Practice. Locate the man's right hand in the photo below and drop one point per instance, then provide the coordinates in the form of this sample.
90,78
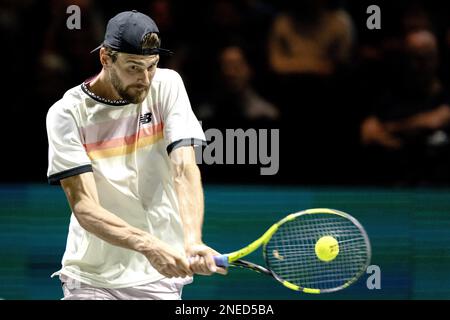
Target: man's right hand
166,260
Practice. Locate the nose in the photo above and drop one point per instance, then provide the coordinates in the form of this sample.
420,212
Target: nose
144,78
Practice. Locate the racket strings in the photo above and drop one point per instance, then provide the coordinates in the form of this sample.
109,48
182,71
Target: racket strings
290,253
309,260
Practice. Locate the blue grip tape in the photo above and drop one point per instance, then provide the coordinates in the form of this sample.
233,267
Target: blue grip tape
221,261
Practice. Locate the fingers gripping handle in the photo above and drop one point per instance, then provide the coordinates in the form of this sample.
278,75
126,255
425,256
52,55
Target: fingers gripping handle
221,261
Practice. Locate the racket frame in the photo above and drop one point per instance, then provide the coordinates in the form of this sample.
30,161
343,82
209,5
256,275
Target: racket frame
233,258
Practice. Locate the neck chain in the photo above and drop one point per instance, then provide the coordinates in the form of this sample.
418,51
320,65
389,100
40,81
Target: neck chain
120,102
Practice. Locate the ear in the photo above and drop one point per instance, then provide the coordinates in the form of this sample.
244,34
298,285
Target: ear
105,59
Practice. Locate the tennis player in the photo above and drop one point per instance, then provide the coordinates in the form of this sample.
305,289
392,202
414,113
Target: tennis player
121,146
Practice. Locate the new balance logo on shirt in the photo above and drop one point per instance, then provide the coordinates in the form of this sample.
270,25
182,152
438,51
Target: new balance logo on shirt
145,118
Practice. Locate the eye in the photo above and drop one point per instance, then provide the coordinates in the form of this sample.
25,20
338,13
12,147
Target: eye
134,69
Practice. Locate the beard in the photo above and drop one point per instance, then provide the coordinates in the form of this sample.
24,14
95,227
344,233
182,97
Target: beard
132,93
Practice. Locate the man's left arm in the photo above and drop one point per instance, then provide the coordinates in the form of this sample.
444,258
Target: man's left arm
188,187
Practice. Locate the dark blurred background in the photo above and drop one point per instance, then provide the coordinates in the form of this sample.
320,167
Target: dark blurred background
353,105
363,117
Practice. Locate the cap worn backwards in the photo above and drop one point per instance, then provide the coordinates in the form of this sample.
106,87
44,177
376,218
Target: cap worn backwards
125,32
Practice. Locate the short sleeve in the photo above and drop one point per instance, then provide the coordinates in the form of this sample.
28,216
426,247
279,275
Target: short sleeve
66,154
181,127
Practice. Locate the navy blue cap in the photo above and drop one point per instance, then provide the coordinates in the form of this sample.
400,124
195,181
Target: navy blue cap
125,31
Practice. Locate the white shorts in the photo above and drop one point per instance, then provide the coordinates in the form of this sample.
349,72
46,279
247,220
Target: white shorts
164,289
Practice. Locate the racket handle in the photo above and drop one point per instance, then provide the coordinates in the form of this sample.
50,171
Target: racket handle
221,261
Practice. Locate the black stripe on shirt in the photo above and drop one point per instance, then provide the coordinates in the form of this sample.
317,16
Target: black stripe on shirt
184,143
55,178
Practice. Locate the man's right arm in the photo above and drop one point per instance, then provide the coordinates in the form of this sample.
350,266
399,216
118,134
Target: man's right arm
82,195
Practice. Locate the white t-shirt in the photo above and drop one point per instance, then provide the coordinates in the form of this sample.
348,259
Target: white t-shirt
127,147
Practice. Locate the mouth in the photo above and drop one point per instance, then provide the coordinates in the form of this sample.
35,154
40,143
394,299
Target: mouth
139,87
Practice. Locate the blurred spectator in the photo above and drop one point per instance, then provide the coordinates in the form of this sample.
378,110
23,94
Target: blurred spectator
164,14
234,103
308,43
65,58
310,38
234,96
221,22
310,46
380,52
409,127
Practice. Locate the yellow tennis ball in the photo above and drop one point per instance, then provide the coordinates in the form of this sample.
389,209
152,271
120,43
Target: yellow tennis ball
327,248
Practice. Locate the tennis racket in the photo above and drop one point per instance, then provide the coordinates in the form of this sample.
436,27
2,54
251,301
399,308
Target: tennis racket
313,251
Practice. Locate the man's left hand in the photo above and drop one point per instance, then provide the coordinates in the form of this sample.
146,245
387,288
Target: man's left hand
201,259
